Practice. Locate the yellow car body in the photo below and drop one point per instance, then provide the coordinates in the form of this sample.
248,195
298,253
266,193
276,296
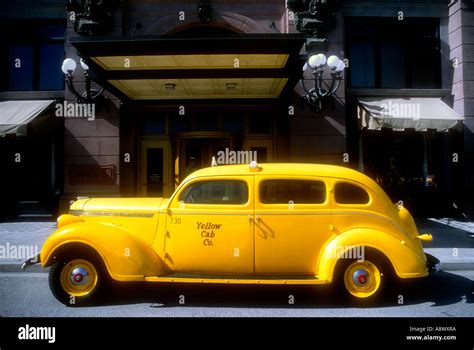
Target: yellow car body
258,224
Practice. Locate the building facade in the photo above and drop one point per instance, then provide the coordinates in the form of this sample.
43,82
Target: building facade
187,81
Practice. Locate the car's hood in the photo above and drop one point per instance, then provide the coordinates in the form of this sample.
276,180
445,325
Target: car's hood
117,205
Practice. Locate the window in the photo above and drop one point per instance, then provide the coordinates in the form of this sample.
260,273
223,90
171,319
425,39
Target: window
32,57
233,122
393,54
260,122
154,172
346,193
180,123
361,55
392,62
21,67
295,191
206,121
50,75
153,124
216,192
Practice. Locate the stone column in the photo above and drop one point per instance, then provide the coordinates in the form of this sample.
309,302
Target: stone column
461,42
91,147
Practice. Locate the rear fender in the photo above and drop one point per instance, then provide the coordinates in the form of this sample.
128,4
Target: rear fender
406,262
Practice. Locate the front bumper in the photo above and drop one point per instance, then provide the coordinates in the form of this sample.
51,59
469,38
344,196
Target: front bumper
36,259
432,263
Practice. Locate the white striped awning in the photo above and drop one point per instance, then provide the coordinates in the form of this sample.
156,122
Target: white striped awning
15,115
419,113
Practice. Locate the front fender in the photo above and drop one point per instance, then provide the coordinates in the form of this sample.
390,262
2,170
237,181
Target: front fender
406,262
126,257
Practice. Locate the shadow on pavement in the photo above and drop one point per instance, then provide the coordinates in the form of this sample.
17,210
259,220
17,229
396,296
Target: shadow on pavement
441,289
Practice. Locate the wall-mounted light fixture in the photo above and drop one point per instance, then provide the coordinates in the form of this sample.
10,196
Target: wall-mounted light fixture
89,95
318,92
231,86
170,87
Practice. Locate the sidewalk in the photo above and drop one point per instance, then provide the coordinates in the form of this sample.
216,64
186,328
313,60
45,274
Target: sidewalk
22,237
452,244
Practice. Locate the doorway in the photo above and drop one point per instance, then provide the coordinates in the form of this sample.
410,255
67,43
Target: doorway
262,146
196,149
155,177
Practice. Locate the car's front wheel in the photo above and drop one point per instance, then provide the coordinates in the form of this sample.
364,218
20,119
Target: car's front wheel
78,280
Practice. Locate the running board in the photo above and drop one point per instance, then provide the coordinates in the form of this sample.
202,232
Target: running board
248,280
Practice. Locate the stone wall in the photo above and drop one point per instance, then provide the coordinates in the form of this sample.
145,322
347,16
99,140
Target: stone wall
461,42
91,147
321,137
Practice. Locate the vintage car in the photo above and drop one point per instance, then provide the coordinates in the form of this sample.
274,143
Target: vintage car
241,224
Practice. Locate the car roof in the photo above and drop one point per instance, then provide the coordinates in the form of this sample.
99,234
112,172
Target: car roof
296,169
284,169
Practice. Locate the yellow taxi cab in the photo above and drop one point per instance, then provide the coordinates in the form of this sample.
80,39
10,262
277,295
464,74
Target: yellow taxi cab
241,224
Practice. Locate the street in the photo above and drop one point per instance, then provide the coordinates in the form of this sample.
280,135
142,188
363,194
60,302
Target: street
447,294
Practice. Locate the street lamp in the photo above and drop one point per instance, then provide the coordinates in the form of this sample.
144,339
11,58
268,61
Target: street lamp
316,63
89,95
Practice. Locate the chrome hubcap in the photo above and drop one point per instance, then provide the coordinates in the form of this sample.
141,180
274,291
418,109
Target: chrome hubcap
360,277
79,276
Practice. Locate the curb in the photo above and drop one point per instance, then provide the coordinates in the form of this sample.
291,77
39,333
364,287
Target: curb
457,266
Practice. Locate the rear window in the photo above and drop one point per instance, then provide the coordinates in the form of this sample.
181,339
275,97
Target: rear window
216,192
292,191
347,193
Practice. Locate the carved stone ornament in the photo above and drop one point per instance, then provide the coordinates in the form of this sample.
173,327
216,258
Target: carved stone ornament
92,17
315,18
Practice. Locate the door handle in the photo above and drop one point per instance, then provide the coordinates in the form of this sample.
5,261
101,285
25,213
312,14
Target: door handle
257,219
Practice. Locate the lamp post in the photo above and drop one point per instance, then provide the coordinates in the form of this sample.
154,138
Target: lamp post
318,92
89,95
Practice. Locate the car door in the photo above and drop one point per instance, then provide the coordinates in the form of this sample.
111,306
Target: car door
209,226
292,224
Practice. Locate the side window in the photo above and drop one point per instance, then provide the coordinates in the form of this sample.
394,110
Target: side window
347,193
298,191
216,192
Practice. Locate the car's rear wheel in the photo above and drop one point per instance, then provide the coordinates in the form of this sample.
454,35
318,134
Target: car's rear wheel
363,281
78,280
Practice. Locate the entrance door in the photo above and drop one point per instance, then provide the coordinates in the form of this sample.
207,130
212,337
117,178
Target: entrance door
292,223
197,149
262,146
155,168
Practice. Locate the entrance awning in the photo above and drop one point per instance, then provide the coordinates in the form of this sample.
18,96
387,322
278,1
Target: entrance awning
15,115
419,113
239,66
